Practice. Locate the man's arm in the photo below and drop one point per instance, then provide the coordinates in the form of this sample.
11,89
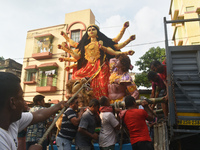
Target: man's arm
117,127
148,110
75,121
153,91
85,132
44,114
114,122
166,96
35,147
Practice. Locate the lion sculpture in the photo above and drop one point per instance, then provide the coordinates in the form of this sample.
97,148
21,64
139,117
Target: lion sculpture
85,95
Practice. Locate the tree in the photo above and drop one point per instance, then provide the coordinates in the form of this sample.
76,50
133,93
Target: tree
1,58
144,65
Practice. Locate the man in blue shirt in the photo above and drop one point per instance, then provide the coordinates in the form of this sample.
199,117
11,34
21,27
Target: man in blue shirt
70,122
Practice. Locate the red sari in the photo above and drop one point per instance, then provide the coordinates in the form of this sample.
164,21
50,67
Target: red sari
99,83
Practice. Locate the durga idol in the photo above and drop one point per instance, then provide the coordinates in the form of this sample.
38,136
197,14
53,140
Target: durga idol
92,55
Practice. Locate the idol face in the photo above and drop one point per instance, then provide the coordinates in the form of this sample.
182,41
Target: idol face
92,32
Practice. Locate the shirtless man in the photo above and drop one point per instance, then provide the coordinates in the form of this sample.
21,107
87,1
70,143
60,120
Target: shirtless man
120,81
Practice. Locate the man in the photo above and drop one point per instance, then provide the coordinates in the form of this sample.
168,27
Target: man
86,129
135,120
161,69
157,84
12,120
22,134
109,125
120,81
69,126
36,131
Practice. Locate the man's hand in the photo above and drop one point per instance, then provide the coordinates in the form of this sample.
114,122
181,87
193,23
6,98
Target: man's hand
166,98
144,103
63,104
95,136
35,147
82,110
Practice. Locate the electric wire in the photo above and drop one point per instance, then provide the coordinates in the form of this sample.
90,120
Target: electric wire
134,45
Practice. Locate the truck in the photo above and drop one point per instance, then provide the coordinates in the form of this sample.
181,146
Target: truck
182,129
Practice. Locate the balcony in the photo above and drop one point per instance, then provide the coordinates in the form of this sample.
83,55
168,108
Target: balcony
29,82
43,55
45,89
48,66
43,47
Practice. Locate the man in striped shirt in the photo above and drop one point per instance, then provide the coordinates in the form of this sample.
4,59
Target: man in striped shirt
69,126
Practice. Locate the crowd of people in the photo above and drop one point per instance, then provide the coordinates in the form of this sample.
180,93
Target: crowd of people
80,127
111,83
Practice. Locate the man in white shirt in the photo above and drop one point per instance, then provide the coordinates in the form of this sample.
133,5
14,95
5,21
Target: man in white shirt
109,125
12,120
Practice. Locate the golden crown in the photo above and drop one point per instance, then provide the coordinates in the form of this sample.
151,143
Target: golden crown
93,25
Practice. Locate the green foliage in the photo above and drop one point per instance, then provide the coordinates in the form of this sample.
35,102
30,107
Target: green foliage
142,80
1,58
151,55
144,65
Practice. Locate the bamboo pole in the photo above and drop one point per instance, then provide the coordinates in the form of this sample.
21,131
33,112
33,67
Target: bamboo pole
62,111
121,104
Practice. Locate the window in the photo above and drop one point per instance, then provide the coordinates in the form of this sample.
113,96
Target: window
44,45
195,43
75,36
31,76
47,78
190,8
48,74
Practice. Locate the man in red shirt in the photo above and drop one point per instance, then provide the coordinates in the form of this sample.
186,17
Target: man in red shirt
161,69
135,120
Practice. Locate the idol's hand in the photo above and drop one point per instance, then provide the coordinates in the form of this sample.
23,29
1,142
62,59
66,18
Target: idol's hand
61,59
126,24
100,44
131,52
132,37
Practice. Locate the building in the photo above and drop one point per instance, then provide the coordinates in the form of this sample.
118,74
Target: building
187,33
9,65
42,72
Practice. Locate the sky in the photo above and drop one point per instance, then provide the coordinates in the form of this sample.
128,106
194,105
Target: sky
145,18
